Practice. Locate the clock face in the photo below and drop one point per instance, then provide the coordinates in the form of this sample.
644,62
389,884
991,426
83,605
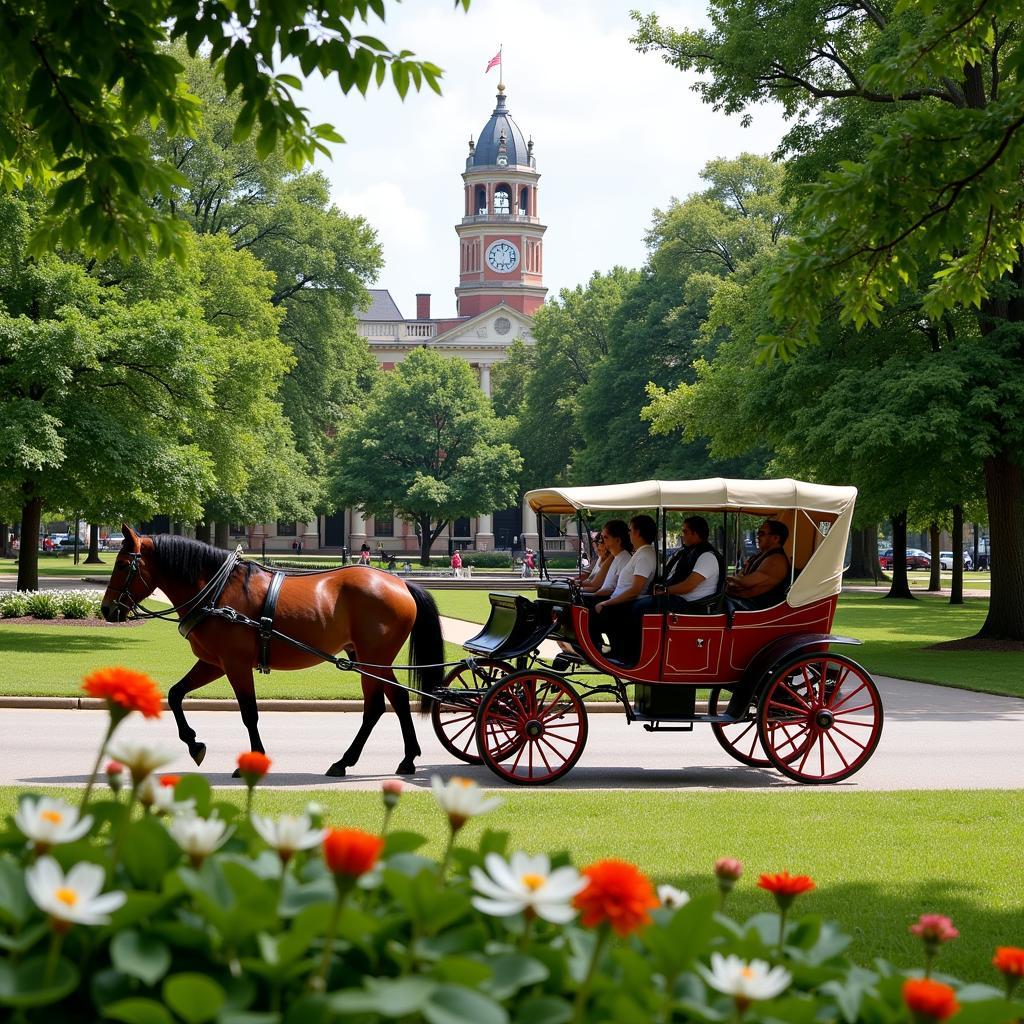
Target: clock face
502,257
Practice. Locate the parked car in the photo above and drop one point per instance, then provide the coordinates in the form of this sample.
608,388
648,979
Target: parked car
114,541
916,559
946,560
68,544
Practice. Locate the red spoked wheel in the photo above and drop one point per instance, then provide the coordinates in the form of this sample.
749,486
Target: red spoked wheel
531,728
455,722
819,718
743,741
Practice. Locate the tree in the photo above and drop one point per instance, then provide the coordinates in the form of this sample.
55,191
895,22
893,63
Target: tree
425,447
81,79
937,193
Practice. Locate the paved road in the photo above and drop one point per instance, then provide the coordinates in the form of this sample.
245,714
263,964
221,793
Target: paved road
934,738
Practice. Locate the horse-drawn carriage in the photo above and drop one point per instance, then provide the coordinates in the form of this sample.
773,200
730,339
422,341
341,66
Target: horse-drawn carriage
773,692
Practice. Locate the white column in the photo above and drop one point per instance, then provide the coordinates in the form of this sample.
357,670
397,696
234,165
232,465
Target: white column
485,379
484,534
357,533
529,537
307,533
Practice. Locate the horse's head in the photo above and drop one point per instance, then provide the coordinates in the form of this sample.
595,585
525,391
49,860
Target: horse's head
132,580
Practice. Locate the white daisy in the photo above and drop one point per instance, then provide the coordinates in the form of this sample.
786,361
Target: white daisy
71,899
745,982
47,822
154,793
140,758
672,898
288,834
198,837
461,799
525,884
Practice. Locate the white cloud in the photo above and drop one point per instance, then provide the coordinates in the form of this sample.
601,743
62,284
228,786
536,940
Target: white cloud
617,134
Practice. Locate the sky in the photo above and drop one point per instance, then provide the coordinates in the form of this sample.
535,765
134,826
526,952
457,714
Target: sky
617,134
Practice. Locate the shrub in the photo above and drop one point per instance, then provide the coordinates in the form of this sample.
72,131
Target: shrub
13,605
44,604
486,559
79,604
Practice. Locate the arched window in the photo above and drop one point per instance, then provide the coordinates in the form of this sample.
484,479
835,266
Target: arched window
502,200
481,201
524,202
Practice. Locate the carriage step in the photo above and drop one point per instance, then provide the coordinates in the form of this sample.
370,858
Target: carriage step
658,727
652,723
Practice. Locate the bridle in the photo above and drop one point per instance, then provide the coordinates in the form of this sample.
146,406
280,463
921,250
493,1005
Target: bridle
134,610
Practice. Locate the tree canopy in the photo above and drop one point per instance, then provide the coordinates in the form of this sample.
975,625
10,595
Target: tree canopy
81,80
427,447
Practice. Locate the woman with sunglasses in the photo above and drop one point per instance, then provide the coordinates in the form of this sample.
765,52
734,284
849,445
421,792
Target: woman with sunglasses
601,556
619,549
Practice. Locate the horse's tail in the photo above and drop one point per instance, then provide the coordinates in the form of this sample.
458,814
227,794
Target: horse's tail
426,644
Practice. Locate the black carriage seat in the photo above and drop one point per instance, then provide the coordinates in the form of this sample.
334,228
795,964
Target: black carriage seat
711,605
515,627
773,597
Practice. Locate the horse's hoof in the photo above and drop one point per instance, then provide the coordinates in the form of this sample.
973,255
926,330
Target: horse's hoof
237,773
406,768
198,752
337,770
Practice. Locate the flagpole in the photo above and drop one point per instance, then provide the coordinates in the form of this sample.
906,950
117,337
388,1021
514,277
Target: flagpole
501,66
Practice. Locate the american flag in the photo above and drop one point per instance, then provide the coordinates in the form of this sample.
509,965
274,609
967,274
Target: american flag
495,61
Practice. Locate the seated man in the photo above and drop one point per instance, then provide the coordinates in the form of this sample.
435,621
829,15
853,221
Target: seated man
765,577
616,611
692,574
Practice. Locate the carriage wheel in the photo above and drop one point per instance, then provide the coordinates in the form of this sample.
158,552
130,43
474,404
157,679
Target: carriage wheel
455,724
742,740
531,728
820,718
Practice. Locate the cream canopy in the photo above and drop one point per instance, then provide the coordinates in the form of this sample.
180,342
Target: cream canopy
820,577
755,496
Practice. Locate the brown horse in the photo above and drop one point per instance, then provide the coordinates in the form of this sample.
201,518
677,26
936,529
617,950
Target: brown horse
365,612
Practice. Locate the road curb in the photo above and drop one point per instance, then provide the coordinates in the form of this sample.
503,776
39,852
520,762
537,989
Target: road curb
208,704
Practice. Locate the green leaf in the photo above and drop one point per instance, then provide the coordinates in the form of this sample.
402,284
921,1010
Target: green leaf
148,852
513,971
453,1004
142,956
402,842
22,985
193,997
138,1011
543,1010
15,903
390,997
195,787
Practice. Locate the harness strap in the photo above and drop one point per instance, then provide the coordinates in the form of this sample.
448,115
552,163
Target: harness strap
206,600
266,626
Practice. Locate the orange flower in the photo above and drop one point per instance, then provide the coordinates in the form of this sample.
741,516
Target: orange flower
929,1000
124,691
252,766
170,780
351,852
785,887
1010,961
618,894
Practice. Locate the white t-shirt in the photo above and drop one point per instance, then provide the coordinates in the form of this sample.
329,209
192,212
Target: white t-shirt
611,578
643,563
707,566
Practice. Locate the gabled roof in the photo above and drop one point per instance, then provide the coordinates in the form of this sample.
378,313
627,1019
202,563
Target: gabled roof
382,307
492,311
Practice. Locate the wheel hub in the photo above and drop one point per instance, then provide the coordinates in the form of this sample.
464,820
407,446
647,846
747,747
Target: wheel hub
824,719
534,728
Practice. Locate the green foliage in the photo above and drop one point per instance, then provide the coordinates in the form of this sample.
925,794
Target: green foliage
425,446
79,604
14,605
44,604
83,82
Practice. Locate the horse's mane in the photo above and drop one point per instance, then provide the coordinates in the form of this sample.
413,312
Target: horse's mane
192,560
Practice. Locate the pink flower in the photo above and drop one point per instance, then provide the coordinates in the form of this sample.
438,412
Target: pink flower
728,868
934,929
391,791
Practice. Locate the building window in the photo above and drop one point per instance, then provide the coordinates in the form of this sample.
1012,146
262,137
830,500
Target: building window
460,528
384,526
237,530
285,529
502,201
524,202
481,201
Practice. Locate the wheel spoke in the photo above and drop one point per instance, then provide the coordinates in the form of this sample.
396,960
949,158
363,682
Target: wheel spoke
782,685
790,741
828,736
846,736
849,696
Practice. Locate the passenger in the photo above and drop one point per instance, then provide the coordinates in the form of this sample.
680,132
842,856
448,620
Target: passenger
601,556
616,611
620,549
765,577
692,574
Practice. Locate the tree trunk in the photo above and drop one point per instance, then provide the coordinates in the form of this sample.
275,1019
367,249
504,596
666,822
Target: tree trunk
203,532
221,537
862,544
956,589
1004,489
28,552
93,558
934,540
900,586
426,540
5,540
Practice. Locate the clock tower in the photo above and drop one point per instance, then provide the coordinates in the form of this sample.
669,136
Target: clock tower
500,236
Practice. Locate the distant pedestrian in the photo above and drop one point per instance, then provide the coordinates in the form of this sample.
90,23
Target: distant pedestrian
298,547
528,564
457,564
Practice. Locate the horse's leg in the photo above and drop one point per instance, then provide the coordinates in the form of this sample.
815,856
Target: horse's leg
242,683
399,698
201,673
373,708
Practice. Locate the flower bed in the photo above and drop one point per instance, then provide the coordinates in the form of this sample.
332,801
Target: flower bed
155,903
49,604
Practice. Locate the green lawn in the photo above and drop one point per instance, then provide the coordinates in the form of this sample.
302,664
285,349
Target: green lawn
879,859
64,565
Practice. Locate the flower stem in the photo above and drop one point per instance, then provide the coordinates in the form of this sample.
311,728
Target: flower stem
447,854
56,938
96,767
782,929
318,982
388,811
584,991
524,941
248,803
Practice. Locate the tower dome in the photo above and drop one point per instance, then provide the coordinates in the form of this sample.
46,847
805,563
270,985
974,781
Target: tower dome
501,143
